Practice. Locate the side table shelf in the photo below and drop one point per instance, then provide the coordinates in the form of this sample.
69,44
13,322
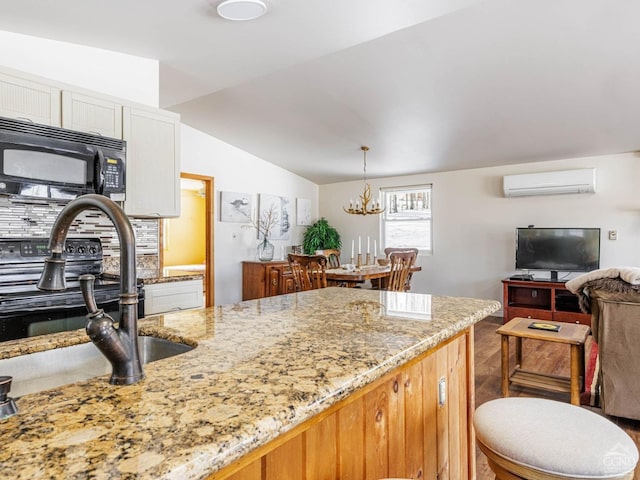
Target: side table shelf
541,300
573,335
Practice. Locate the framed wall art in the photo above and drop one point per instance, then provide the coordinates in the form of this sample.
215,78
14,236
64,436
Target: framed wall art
279,209
235,207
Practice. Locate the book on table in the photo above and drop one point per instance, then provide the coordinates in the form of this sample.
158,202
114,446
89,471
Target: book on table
549,327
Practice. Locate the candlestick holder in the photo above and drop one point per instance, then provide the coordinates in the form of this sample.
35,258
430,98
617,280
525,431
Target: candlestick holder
359,261
375,260
352,261
368,258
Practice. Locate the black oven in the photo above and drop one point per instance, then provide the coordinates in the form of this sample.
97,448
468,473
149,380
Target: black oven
50,162
26,311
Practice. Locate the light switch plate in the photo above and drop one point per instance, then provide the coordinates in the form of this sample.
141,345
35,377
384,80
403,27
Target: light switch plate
613,234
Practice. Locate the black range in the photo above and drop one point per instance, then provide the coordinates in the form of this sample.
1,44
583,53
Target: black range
26,311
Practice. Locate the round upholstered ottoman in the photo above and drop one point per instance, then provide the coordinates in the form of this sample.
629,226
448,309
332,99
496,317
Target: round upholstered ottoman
534,438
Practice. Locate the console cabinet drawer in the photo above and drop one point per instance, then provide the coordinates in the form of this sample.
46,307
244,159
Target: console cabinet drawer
537,314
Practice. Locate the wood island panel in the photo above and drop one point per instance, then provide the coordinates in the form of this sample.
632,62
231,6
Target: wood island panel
394,427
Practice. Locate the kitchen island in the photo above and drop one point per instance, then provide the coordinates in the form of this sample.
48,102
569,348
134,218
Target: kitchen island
330,383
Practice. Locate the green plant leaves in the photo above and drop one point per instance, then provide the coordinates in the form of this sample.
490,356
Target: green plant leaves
320,236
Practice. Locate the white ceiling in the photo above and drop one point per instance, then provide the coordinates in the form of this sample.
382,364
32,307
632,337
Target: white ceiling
429,85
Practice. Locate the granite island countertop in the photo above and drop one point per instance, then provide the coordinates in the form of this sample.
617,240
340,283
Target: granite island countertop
260,368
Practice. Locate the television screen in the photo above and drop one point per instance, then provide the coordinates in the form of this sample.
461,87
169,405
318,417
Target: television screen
558,249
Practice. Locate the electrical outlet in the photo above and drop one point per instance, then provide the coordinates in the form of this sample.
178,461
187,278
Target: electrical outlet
613,234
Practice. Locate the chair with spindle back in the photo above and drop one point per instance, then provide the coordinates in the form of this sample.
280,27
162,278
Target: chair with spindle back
333,257
308,271
400,263
389,250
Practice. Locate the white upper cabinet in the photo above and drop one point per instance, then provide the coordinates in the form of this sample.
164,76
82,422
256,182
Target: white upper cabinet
152,134
153,162
91,114
28,100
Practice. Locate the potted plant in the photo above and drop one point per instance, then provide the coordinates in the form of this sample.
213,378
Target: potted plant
320,236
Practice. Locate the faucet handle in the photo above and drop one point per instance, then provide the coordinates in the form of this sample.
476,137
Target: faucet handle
86,285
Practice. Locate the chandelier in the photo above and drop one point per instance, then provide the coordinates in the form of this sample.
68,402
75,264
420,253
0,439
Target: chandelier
364,206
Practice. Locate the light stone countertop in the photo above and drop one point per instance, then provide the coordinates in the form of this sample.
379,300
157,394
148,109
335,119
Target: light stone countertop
260,368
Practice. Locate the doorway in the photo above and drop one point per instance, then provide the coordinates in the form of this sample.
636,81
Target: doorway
186,242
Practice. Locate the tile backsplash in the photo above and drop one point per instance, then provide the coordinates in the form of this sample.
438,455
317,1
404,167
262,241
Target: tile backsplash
22,218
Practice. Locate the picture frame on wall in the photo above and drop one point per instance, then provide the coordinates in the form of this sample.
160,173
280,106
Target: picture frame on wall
303,211
281,211
235,207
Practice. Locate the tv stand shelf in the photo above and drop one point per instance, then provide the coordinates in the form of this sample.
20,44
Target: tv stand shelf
541,300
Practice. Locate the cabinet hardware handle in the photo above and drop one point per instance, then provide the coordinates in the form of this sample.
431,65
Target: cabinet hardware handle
274,282
442,391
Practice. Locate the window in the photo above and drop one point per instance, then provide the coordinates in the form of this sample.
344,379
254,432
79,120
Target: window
406,221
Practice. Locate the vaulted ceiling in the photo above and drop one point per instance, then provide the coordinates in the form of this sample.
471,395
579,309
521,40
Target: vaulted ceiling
428,85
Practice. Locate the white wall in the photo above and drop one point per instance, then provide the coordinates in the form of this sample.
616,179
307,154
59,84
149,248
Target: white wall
235,170
474,225
123,76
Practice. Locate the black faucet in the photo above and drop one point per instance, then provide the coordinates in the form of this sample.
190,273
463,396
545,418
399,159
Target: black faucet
7,405
119,345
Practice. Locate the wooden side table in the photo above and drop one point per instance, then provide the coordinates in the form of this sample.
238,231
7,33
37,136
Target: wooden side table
569,333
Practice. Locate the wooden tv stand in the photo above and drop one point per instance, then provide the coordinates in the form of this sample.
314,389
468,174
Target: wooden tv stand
543,300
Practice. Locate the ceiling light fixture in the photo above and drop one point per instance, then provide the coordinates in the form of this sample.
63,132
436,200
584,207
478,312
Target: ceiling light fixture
240,10
364,206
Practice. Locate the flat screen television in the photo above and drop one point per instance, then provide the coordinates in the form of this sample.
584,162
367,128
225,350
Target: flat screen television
558,249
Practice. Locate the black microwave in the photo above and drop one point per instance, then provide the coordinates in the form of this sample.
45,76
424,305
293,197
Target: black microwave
49,162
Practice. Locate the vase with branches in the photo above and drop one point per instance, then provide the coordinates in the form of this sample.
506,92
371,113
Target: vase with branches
264,224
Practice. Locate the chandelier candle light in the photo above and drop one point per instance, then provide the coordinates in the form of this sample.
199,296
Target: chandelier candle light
365,206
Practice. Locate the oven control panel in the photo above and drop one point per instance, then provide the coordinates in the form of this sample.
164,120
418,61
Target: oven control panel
18,250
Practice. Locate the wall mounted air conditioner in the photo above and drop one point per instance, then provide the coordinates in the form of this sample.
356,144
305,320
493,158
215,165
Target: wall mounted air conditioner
550,183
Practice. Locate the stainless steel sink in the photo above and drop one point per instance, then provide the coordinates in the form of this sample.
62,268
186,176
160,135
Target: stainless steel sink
40,371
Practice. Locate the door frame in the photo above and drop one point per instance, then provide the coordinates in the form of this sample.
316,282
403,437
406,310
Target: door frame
209,273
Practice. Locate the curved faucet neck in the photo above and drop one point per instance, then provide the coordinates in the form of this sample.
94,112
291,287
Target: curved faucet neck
120,345
123,228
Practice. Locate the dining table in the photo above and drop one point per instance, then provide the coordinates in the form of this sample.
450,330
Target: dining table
376,274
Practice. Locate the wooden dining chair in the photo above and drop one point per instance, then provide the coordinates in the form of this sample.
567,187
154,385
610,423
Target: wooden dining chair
389,250
400,263
332,255
308,271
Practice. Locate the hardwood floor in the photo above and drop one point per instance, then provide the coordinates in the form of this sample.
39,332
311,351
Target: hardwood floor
540,356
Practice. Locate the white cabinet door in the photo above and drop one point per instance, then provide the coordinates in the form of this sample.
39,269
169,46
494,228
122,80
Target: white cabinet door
27,100
91,114
153,162
172,296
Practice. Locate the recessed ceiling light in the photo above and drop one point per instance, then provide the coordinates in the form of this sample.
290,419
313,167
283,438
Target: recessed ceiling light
240,10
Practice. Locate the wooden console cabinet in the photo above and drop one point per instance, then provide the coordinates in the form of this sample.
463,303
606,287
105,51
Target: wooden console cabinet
266,279
541,300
